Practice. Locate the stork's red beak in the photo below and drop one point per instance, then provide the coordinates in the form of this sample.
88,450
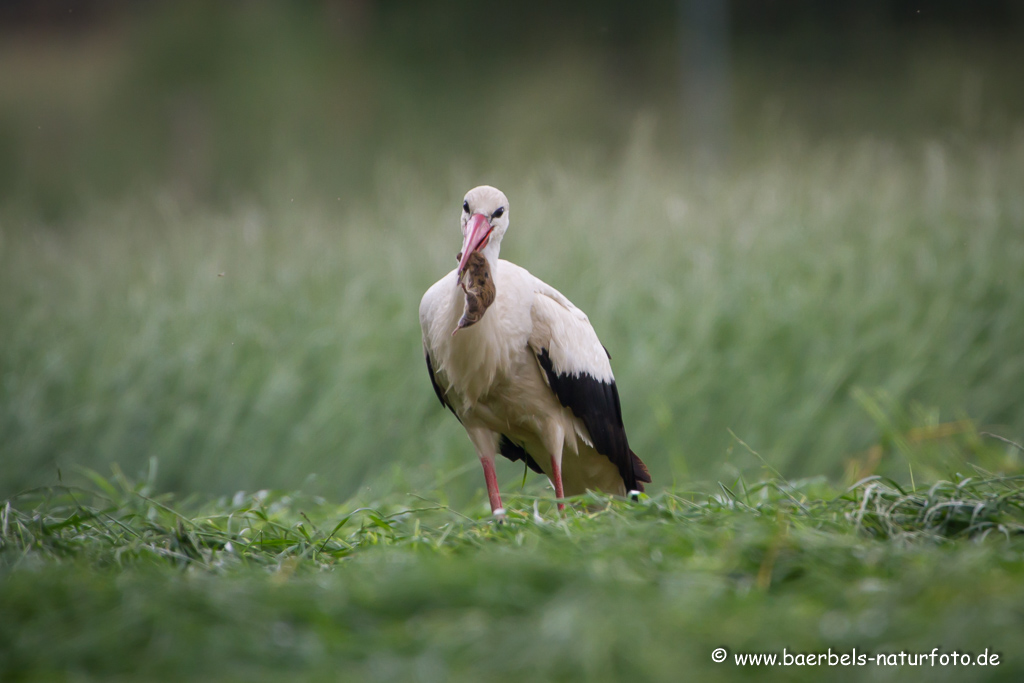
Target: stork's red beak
478,231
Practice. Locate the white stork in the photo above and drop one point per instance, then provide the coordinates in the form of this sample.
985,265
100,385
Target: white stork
530,380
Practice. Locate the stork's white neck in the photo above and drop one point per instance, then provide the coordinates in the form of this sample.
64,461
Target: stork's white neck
490,252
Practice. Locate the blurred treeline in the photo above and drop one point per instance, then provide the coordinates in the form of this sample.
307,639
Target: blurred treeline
216,100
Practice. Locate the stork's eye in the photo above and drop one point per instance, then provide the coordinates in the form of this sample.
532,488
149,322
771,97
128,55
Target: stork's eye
498,212
465,206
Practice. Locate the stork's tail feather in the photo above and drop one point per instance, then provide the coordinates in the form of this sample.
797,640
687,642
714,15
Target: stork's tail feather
639,471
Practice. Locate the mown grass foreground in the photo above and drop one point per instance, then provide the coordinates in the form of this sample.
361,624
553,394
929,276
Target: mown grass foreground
109,582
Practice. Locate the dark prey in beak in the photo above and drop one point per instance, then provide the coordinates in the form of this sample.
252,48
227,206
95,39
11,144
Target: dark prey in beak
478,285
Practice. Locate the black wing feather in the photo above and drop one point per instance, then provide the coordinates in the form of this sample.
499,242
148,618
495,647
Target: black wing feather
597,404
437,388
514,452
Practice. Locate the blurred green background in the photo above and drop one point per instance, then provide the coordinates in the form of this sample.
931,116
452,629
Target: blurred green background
801,222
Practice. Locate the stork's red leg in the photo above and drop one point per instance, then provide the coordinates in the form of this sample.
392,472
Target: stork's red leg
491,477
486,443
556,479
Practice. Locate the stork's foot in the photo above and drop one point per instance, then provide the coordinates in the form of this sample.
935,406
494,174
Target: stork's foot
500,518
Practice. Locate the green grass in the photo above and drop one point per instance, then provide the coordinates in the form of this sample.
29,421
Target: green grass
818,347
114,582
246,313
833,312
255,347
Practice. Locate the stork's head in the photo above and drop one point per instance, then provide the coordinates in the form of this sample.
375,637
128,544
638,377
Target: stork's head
484,222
